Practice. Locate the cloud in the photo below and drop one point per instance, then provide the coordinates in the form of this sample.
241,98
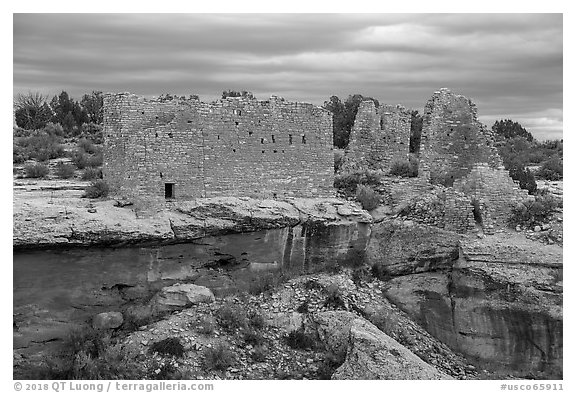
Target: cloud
509,64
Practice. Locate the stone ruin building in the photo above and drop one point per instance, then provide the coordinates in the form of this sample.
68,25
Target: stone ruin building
379,137
456,150
166,149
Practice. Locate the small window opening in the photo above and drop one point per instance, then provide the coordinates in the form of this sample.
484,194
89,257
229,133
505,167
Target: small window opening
304,139
170,135
238,112
262,151
290,138
236,123
273,139
250,132
234,150
161,175
381,123
156,117
275,151
156,135
261,141
169,191
142,112
218,136
189,121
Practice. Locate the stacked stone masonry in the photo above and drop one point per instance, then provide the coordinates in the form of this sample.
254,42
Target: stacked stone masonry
379,137
185,148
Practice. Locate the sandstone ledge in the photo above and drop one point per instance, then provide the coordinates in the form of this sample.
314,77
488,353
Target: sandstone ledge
71,221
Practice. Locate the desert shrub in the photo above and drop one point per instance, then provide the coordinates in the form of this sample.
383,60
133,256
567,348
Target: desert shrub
349,181
54,129
262,283
136,317
260,353
64,171
97,189
380,272
404,168
19,154
231,316
368,198
87,146
90,354
36,170
170,346
297,339
40,145
92,173
524,177
312,284
338,159
531,213
256,320
219,357
95,160
206,325
253,337
334,297
80,159
92,132
162,371
551,169
329,365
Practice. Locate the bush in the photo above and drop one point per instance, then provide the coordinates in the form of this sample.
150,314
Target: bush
442,177
92,132
551,169
87,146
36,170
90,354
524,177
95,160
531,213
231,316
170,346
297,339
206,325
256,320
40,145
334,297
404,168
97,189
338,159
218,357
252,337
349,181
80,158
64,171
92,173
368,198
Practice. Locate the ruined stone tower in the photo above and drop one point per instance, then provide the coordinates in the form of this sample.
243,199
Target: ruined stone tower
379,137
158,149
457,150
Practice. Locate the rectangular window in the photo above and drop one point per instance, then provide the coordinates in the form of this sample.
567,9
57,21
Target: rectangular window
169,191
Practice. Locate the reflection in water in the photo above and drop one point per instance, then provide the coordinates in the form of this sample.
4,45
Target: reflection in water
73,285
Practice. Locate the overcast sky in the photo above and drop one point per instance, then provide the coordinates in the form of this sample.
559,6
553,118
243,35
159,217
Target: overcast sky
510,65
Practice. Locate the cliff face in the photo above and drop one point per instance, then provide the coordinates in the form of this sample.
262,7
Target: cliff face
497,300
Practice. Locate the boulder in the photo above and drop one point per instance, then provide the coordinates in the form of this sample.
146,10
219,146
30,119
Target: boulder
332,329
108,320
180,296
374,355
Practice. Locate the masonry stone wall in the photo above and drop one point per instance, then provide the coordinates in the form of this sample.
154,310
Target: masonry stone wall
453,140
233,146
493,192
459,151
378,138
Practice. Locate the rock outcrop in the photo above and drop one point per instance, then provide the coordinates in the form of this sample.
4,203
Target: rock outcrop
180,296
372,354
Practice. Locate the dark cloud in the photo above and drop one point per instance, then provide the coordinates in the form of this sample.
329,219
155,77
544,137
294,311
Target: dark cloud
509,64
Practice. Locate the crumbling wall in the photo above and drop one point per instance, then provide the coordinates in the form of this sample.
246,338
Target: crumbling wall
493,192
378,138
453,140
234,146
457,150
